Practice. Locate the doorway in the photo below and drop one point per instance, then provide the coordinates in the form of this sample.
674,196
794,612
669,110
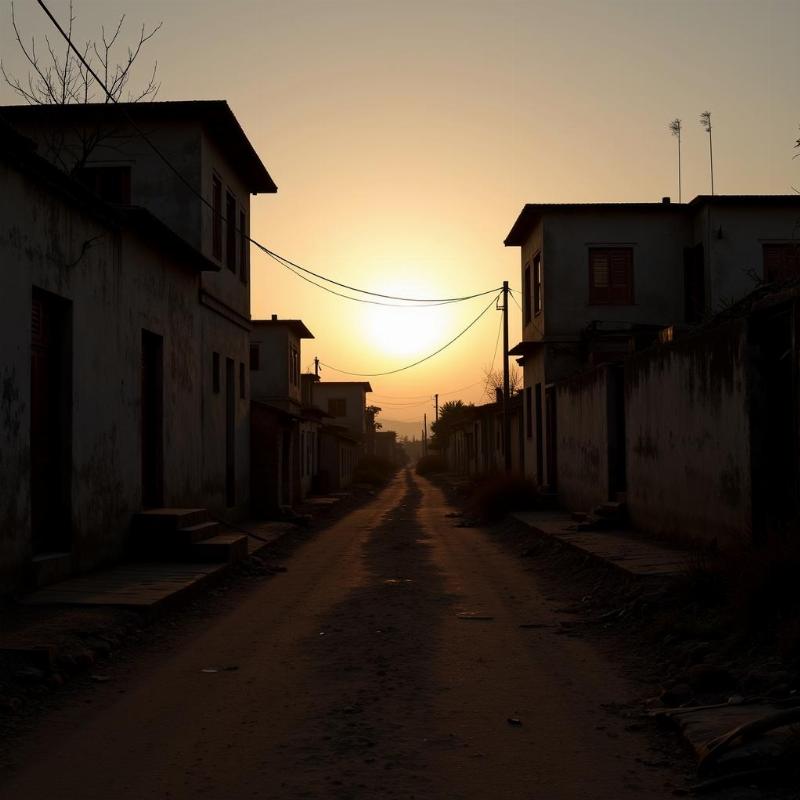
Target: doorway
152,422
51,385
552,431
230,433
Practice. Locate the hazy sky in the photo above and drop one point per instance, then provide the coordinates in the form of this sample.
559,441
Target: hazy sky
405,137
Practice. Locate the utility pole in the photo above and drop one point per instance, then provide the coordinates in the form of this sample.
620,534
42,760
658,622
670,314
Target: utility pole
436,397
316,366
425,434
506,421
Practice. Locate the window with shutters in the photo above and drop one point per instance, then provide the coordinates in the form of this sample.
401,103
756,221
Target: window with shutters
781,262
216,217
230,231
610,276
526,293
243,242
537,284
112,184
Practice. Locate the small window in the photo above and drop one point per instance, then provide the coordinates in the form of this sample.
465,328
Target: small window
781,262
337,407
112,184
294,366
243,246
526,295
216,221
255,357
611,276
242,392
215,372
230,232
537,284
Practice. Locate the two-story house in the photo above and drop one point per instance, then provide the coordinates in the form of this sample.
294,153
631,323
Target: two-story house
600,280
191,166
343,437
123,357
277,447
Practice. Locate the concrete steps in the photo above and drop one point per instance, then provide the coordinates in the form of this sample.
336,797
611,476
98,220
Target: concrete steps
610,515
184,534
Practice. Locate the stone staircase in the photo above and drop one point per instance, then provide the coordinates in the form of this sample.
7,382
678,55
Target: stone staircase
184,534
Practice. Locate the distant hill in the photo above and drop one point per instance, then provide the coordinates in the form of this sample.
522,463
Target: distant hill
410,429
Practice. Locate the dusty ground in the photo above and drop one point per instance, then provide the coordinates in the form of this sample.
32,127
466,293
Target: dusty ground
356,675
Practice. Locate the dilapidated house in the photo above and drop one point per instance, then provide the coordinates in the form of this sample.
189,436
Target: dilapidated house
124,318
603,280
278,440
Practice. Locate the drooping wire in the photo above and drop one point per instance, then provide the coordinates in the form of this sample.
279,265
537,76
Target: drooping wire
421,360
280,259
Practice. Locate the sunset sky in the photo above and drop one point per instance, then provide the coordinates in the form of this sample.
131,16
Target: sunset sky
406,136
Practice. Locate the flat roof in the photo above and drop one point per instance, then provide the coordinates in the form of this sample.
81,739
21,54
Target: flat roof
532,212
215,116
365,384
296,326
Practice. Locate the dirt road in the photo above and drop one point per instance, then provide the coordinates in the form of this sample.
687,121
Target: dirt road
357,675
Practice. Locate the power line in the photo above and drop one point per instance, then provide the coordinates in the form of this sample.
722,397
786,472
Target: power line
416,363
281,259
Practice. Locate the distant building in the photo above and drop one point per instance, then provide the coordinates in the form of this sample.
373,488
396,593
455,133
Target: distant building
279,450
124,324
342,438
603,280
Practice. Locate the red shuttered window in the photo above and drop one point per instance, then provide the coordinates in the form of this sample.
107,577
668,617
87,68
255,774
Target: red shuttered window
610,276
781,262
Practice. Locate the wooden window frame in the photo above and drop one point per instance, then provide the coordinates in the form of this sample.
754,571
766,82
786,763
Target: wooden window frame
538,297
243,246
526,295
216,217
789,257
615,292
231,208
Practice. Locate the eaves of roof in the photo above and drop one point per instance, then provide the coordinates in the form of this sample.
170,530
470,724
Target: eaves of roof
215,116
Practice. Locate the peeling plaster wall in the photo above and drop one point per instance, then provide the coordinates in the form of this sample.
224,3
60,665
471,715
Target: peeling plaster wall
582,440
688,438
117,286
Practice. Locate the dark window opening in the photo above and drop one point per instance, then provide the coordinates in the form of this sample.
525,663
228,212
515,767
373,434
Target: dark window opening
216,221
526,295
337,407
242,393
255,357
539,427
694,284
611,276
537,285
230,232
243,246
215,372
112,184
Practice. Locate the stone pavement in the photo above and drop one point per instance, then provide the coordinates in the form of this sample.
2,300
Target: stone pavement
625,550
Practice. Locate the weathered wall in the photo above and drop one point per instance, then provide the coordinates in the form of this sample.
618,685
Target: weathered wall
688,438
582,434
353,392
117,285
